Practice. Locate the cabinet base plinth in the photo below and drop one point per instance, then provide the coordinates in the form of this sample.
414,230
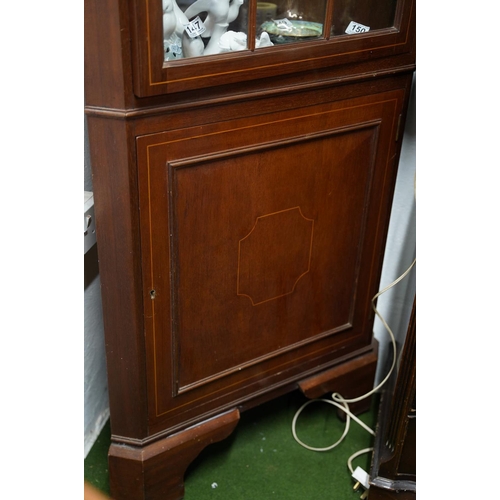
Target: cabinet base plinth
156,471
377,493
350,379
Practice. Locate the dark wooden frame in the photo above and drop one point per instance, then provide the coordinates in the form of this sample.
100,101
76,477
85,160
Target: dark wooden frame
394,470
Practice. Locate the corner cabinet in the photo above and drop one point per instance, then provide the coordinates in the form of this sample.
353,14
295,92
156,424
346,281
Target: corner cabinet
244,158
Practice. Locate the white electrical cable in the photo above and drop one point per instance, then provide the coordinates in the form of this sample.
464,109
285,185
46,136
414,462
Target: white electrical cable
393,341
339,401
355,455
344,408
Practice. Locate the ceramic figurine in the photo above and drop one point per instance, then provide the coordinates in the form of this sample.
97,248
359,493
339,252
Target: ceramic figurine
219,14
234,10
174,19
232,41
192,47
263,41
169,19
176,42
172,48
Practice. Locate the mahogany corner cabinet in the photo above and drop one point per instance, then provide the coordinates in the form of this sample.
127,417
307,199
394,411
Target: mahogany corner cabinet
244,157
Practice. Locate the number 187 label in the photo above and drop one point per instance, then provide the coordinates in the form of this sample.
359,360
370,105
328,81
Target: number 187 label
354,28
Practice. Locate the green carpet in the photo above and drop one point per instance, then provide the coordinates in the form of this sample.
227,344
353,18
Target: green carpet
261,460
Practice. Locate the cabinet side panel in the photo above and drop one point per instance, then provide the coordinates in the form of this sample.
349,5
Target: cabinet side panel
117,229
106,62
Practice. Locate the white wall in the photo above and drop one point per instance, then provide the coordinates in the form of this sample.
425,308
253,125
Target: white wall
395,305
96,405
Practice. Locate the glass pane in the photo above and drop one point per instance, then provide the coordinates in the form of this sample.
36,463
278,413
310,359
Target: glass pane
193,28
359,16
289,21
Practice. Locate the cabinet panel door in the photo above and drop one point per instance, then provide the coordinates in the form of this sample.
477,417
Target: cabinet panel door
262,241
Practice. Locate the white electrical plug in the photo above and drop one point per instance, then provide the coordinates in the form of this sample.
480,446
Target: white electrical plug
362,479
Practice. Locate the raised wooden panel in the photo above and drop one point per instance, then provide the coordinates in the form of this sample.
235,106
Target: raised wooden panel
260,239
224,213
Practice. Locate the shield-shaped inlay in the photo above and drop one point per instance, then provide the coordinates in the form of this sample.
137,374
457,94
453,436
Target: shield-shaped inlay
274,255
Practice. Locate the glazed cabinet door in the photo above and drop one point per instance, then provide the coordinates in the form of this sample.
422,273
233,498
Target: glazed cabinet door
180,45
262,240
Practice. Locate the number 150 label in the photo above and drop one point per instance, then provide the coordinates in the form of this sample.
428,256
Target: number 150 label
354,28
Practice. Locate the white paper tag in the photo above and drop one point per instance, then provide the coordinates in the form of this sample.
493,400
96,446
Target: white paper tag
283,24
354,28
195,27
